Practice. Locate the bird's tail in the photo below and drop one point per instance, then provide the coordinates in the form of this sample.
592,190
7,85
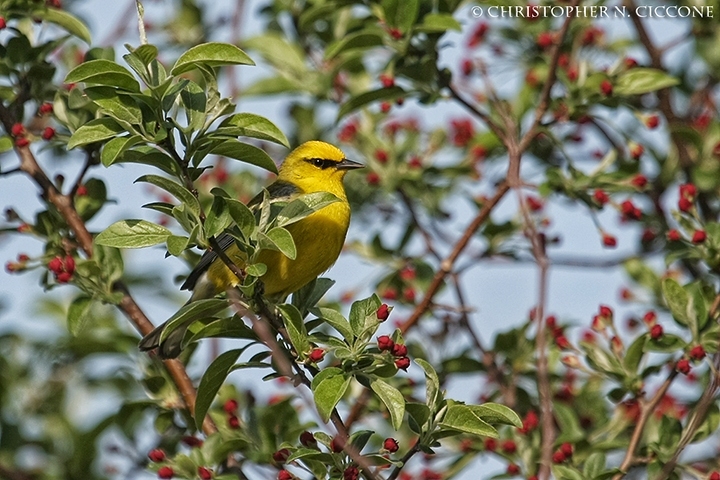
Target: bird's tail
170,347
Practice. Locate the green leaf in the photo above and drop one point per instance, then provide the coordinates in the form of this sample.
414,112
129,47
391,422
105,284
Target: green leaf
393,400
175,189
103,72
296,328
65,20
119,107
438,22
697,309
328,388
279,239
245,153
303,206
337,321
638,81
212,54
218,218
199,309
363,99
634,354
594,465
254,126
111,261
151,156
494,413
195,102
91,203
256,269
463,419
78,314
211,382
6,144
241,215
360,40
230,327
677,300
419,413
432,384
112,151
132,234
176,244
668,343
570,430
363,313
94,131
566,473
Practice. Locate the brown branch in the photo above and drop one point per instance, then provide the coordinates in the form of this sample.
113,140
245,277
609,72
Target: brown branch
406,458
544,102
446,265
646,412
127,304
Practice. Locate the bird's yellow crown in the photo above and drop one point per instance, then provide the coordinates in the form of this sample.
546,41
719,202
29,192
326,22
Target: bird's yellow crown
316,166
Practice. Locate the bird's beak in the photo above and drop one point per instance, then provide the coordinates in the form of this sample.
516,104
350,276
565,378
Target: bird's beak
346,164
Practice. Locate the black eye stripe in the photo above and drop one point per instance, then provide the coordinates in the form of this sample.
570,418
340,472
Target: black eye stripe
321,162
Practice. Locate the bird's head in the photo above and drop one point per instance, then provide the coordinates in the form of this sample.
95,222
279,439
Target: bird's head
316,166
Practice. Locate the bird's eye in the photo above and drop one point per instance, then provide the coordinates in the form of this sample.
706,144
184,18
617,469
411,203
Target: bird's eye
318,162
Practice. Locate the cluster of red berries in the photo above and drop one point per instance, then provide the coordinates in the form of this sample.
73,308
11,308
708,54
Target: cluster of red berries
158,455
563,453
688,192
18,131
230,408
18,266
386,344
62,267
558,333
529,423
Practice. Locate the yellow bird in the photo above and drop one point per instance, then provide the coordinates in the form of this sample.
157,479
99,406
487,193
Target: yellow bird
312,167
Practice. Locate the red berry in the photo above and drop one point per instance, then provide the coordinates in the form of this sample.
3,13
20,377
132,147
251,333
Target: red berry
156,455
513,469
683,366
48,133
399,350
337,444
316,355
45,108
22,142
230,406
490,444
562,342
650,318
685,204
639,180
55,265
605,311
233,422
64,277
348,132
383,312
508,446
630,62
545,40
390,293
567,449
652,122
381,156
636,151
409,295
385,107
600,196
534,204
351,473
81,191
697,352
387,80
395,33
688,190
165,472
23,258
391,445
478,34
699,236
558,457
606,88
673,235
551,322
204,473
467,67
385,343
402,363
281,455
415,162
630,211
656,331
69,264
372,178
284,475
3,23
715,475
307,439
18,129
609,240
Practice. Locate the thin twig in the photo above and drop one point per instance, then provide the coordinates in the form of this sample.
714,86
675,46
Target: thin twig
406,458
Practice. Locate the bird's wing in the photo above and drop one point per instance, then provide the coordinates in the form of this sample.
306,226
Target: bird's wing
278,190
